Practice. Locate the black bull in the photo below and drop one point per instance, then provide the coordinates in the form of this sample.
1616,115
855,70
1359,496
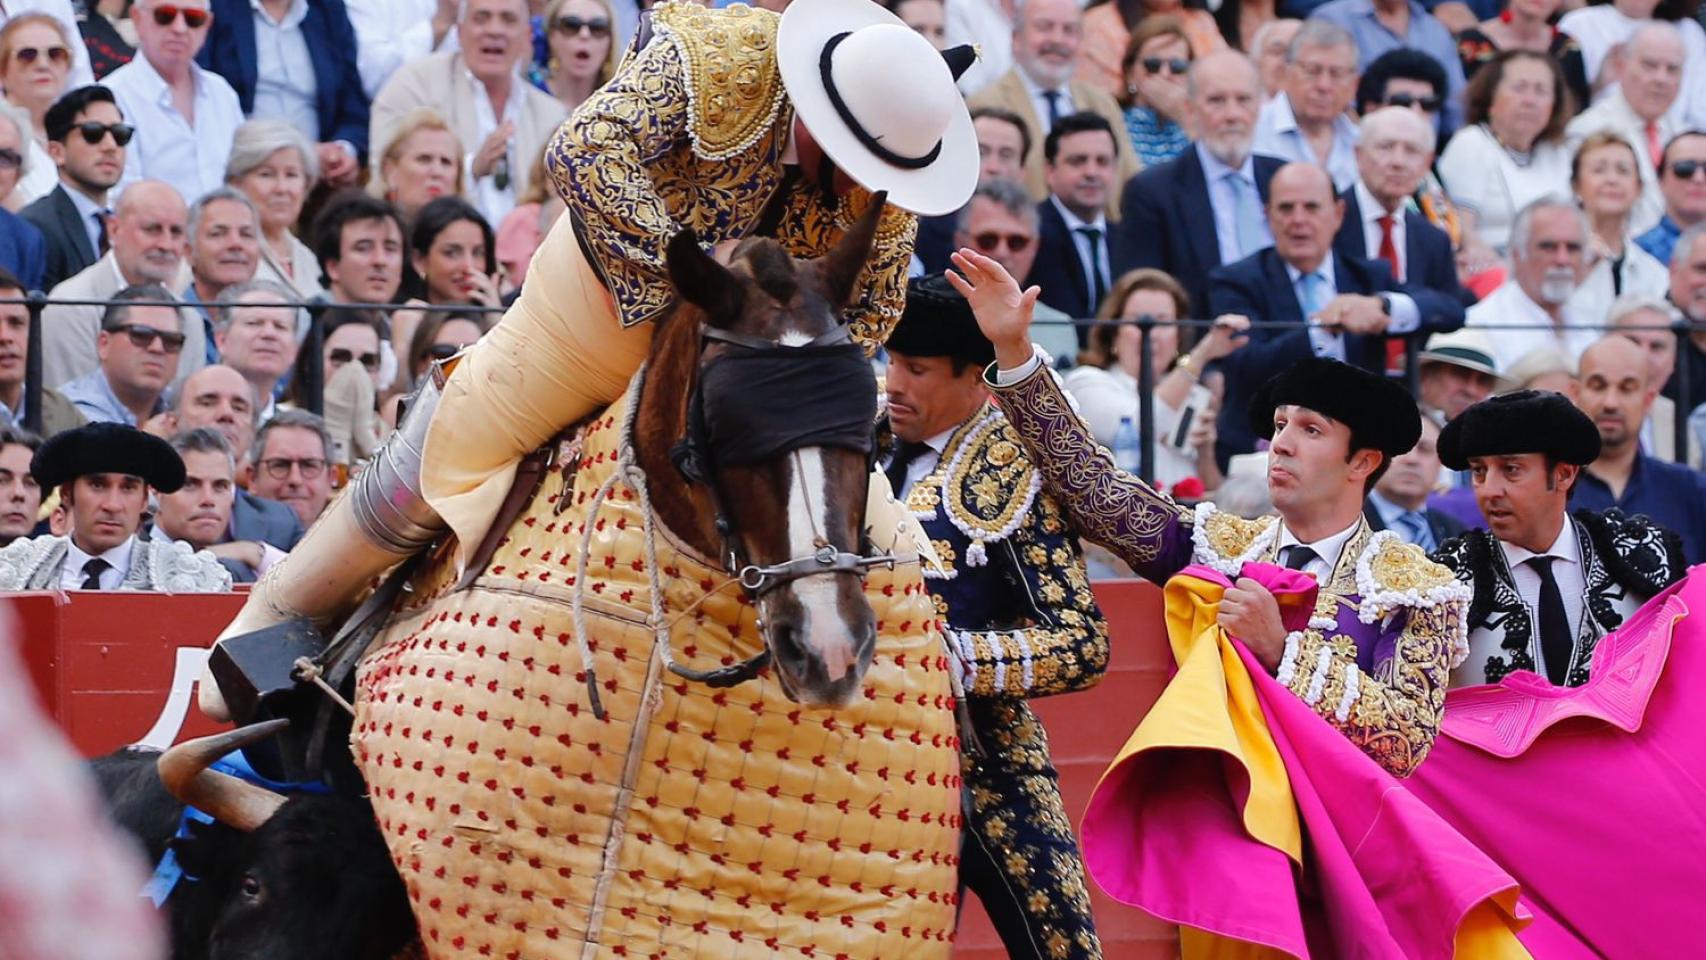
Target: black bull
301,878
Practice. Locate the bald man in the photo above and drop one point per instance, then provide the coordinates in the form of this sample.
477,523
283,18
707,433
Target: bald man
1395,150
147,246
1616,390
1327,304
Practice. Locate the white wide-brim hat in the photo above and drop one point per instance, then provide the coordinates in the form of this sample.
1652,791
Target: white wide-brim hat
881,102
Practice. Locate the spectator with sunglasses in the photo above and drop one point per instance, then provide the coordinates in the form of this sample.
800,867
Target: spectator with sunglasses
351,336
185,116
1381,25
1682,181
1155,65
21,247
139,346
35,59
292,463
148,230
441,336
1000,222
582,50
65,12
86,138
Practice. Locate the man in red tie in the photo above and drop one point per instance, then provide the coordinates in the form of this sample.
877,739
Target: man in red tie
1394,152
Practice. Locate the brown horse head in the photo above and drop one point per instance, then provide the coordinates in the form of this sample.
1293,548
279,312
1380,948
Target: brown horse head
756,371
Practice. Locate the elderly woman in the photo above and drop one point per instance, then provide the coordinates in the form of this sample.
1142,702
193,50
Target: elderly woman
1606,179
275,166
1511,151
422,162
1155,63
35,60
578,34
1105,381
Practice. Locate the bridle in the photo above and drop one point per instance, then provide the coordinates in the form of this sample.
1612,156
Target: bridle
694,458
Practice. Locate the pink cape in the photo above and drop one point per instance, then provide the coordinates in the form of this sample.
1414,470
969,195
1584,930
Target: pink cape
1593,797
1382,875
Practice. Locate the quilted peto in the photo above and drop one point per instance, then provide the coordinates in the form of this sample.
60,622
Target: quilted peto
690,822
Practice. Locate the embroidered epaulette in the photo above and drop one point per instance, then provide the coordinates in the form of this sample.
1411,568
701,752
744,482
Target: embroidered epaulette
734,87
1226,541
1393,575
986,485
1639,554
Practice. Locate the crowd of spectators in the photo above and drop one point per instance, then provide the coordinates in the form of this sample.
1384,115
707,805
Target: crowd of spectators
1505,189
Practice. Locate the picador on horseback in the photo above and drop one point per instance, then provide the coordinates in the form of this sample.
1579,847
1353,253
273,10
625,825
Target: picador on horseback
637,543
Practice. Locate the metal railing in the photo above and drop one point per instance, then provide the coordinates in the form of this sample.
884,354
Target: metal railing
313,380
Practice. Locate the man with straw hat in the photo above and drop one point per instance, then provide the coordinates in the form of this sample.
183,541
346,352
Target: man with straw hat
735,122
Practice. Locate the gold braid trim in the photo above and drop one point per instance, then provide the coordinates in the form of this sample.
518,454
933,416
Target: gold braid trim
734,88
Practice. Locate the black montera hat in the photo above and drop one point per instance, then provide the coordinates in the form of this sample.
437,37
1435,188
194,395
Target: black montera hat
938,322
1380,413
108,448
1527,421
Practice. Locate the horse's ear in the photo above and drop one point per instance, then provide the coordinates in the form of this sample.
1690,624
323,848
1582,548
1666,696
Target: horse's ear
701,280
840,267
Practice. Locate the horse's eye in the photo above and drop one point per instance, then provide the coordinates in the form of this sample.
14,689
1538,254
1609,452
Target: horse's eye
251,887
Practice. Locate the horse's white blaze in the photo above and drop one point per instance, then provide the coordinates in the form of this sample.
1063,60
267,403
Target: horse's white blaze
808,518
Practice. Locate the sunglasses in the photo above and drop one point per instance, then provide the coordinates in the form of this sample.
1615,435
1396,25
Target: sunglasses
444,351
1428,104
194,17
57,55
1175,65
340,355
991,241
597,28
10,159
279,467
142,336
94,132
1686,169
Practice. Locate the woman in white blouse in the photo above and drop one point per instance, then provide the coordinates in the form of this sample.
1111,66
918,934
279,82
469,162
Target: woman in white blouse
1606,179
275,165
1105,381
1511,152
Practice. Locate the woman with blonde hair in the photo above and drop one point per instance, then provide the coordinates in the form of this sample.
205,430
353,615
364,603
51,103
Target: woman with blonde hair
1606,179
1105,382
276,167
580,35
422,162
35,64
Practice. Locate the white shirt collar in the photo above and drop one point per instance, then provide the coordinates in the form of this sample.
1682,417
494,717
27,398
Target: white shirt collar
517,91
1520,300
1564,547
1325,270
1215,171
292,18
118,557
1072,220
155,84
1327,548
1033,90
939,442
1370,207
86,208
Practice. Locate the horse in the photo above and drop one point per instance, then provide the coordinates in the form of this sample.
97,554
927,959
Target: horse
696,703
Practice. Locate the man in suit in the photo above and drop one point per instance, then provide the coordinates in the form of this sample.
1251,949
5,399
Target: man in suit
147,230
1307,301
295,60
73,217
1040,90
1394,153
1003,143
1078,258
502,143
20,242
1000,221
1192,214
1399,500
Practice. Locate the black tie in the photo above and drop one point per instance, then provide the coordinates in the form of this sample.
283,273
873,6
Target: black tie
1555,642
101,232
1297,556
92,573
1053,98
904,454
1098,282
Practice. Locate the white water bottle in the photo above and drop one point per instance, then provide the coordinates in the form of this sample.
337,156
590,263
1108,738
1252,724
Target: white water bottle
1127,455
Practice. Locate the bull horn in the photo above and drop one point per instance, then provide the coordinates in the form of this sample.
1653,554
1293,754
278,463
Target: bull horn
233,802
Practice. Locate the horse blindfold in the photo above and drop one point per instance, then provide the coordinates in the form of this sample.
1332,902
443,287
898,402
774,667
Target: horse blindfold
753,405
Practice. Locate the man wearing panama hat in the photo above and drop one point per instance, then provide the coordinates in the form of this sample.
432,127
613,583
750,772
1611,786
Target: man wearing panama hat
736,122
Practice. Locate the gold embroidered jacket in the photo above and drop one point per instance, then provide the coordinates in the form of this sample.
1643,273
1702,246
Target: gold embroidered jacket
1015,595
691,132
1388,623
